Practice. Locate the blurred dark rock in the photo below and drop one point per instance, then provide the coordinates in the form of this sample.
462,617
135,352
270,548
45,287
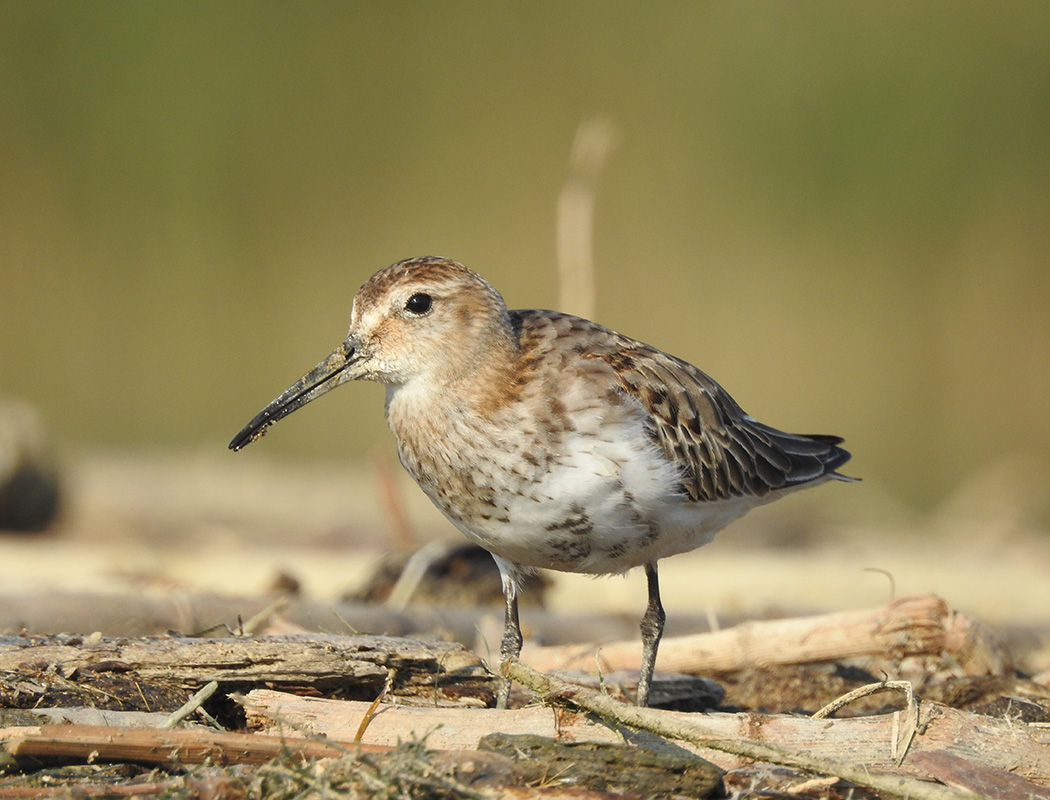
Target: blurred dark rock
444,574
29,484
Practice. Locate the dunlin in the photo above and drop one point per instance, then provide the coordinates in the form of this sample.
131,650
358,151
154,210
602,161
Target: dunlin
550,441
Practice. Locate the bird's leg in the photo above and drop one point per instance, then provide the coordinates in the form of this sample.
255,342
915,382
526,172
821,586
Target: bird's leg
510,647
652,630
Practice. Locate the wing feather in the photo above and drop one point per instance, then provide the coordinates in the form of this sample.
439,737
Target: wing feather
724,453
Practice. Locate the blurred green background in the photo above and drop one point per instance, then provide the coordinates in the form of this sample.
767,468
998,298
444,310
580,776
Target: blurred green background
839,210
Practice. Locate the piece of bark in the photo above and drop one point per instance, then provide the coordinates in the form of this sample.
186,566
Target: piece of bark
996,743
921,625
981,780
363,664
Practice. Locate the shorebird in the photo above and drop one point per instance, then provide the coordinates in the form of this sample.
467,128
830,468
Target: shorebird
553,442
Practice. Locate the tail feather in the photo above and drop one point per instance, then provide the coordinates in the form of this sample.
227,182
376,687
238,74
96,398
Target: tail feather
813,456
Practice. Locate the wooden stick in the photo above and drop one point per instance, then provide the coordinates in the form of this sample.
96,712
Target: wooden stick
300,660
911,626
153,746
191,705
996,743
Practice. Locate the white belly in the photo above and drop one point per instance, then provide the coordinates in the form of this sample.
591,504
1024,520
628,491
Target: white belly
605,505
598,498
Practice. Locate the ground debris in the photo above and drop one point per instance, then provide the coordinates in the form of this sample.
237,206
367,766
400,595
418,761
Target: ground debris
156,673
371,716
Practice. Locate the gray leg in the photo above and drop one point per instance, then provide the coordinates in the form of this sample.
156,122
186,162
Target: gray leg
652,630
510,647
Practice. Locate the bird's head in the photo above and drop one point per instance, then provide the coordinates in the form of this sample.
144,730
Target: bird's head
426,320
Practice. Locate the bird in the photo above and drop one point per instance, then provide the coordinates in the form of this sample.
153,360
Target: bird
552,441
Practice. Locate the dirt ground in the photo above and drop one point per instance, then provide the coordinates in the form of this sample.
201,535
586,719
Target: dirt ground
190,526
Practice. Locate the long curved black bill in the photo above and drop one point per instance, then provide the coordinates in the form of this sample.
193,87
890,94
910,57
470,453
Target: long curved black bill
321,379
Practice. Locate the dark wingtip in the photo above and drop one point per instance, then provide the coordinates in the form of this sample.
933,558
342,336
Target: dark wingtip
813,456
835,458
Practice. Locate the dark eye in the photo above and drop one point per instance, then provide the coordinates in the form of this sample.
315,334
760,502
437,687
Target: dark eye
419,303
